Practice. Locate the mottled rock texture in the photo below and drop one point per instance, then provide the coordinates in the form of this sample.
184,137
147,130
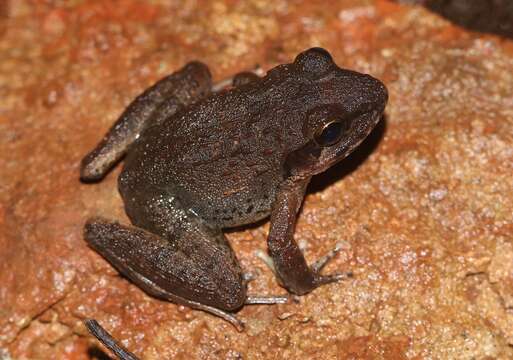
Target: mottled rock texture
424,207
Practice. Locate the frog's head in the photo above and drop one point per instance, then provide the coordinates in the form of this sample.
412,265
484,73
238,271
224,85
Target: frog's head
344,107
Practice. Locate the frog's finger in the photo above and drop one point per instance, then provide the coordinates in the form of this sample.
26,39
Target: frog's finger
320,263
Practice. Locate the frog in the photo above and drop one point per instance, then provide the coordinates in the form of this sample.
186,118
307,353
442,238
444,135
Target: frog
201,158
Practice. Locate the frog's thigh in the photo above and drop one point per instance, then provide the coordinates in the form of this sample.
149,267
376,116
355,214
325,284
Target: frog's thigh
154,105
189,263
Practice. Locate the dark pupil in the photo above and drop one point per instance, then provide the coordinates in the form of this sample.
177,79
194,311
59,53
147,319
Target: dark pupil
331,133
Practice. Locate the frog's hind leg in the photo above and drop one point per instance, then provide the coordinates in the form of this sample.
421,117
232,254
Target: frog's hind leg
159,102
189,270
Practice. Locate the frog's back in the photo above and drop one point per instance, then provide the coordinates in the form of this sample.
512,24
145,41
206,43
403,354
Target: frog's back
224,155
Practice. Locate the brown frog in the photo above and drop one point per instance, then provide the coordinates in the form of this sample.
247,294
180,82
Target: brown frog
199,160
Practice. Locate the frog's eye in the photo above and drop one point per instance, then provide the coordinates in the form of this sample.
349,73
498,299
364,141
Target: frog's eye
330,133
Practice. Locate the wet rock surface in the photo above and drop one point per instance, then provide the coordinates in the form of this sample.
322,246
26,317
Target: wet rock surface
424,208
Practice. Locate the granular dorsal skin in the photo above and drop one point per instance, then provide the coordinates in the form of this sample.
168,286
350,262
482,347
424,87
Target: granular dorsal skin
227,152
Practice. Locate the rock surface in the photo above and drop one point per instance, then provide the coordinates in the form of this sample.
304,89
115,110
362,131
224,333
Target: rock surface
424,207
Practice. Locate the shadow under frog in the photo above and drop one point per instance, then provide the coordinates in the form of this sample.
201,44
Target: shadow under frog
198,160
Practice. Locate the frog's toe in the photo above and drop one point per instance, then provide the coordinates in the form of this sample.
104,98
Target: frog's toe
266,300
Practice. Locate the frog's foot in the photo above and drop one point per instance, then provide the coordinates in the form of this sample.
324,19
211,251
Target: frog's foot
323,261
106,339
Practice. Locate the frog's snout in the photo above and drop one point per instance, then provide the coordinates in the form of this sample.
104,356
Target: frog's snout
381,94
375,92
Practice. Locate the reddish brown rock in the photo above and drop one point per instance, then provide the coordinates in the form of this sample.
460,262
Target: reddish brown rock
425,207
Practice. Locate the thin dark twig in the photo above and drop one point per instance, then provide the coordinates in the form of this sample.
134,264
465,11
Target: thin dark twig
106,339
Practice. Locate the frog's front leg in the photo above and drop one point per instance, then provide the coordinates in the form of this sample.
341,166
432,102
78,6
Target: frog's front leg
289,262
162,100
